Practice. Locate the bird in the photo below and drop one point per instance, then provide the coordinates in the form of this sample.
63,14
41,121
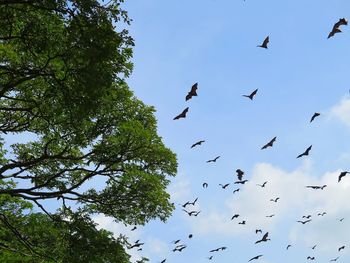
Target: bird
316,187
236,190
288,247
242,223
210,258
262,185
182,114
341,219
256,257
271,215
275,200
194,202
192,92
314,247
163,261
217,249
136,245
240,174
251,95
224,186
306,152
234,216
322,214
258,231
185,204
269,144
265,42
205,185
241,182
179,248
197,143
342,247
307,217
213,160
304,222
134,228
342,174
336,29
310,258
316,114
264,238
190,235
334,259
176,241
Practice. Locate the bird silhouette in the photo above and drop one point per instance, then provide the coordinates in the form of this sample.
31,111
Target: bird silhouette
241,182
316,187
224,186
265,42
251,95
271,215
190,235
176,241
307,217
306,152
341,219
334,259
288,247
179,248
314,247
192,92
254,258
210,258
342,174
262,185
264,238
134,228
240,174
258,231
182,114
275,200
316,114
341,248
236,190
322,214
163,261
194,202
310,258
304,222
205,185
234,216
269,144
197,143
242,223
213,160
336,29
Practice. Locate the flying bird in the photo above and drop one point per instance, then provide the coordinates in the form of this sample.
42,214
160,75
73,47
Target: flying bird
275,200
307,217
182,114
322,214
314,247
240,174
341,219
342,174
334,259
258,231
316,114
242,223
224,186
192,92
213,160
269,144
316,187
236,190
288,246
241,182
197,143
304,222
176,241
306,152
271,215
190,236
342,247
310,258
336,29
205,185
254,258
265,42
264,238
134,228
262,185
163,261
234,216
251,95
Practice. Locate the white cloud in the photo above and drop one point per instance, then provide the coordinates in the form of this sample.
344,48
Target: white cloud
341,111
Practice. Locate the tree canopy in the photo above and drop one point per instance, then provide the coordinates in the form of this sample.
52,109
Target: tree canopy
63,66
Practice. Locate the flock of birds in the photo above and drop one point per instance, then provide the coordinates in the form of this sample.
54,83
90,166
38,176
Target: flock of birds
179,246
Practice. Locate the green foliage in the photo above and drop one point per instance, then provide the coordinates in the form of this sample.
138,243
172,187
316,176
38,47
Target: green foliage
63,66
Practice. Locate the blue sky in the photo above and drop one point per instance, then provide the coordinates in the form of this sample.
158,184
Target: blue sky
213,42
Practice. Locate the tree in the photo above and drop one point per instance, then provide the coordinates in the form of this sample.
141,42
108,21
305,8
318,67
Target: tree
63,66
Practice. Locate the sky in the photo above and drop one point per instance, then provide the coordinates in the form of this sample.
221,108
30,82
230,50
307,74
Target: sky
214,43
